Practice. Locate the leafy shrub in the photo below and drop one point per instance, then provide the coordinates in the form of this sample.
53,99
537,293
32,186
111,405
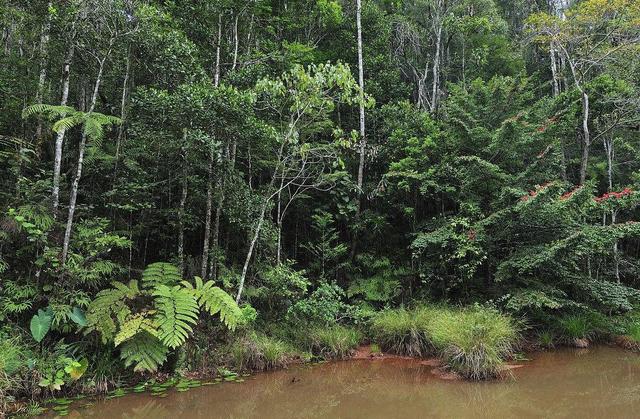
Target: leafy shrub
279,288
145,335
325,305
474,342
259,352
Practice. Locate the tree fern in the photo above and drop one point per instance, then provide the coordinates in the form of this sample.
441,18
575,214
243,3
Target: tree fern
108,304
161,273
52,111
137,323
144,351
215,300
177,311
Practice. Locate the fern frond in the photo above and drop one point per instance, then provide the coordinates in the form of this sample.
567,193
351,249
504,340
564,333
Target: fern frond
161,273
67,123
50,110
108,304
216,300
177,311
144,351
92,128
138,323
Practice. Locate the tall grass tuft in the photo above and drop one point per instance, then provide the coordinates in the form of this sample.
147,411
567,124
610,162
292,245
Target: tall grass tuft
333,342
474,342
403,332
259,352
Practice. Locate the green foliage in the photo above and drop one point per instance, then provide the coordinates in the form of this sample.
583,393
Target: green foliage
146,333
332,342
403,331
177,311
325,305
216,301
474,342
259,352
40,325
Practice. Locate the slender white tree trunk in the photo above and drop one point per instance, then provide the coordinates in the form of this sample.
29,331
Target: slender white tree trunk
216,76
363,138
586,137
435,84
57,161
609,149
363,141
123,112
207,227
76,181
44,58
183,202
236,42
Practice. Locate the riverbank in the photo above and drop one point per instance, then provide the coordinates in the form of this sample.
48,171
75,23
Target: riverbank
591,381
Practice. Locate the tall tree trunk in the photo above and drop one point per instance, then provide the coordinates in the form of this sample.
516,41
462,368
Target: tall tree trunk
609,149
586,138
554,70
252,244
57,161
435,84
44,56
123,112
183,202
363,138
207,227
263,210
236,42
76,181
216,75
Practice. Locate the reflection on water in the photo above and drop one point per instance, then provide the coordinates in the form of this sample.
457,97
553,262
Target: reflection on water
601,382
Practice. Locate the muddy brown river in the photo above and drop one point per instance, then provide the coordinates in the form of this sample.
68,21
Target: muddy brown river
600,382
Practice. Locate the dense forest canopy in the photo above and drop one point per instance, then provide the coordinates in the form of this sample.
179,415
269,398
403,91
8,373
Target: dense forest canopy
313,161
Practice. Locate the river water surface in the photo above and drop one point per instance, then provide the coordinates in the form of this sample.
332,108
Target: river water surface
600,382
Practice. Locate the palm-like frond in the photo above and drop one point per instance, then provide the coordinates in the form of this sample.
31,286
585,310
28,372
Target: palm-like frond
216,300
52,111
161,273
177,311
144,351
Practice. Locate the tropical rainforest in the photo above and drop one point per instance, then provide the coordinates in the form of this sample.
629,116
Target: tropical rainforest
199,187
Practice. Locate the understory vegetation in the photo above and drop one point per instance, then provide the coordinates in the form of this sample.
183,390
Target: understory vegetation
198,188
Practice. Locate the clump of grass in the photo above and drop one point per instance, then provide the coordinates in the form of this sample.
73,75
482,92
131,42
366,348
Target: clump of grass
474,342
576,326
546,339
402,331
333,342
375,349
260,353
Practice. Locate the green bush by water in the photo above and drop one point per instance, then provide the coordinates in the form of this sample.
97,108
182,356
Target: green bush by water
473,342
332,342
259,352
402,331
